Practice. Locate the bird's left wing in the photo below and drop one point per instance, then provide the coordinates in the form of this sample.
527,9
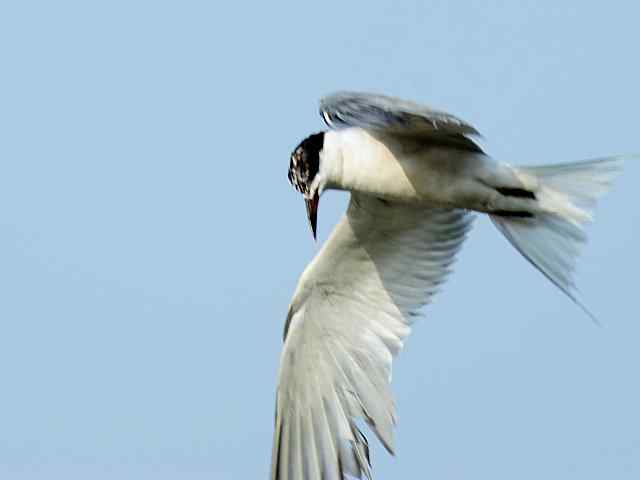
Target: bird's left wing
349,316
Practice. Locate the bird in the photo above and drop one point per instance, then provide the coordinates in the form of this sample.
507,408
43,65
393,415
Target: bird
416,177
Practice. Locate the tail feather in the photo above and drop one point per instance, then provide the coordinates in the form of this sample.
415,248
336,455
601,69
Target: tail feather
552,238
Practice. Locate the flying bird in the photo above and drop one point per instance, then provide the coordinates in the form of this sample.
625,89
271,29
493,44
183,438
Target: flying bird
416,175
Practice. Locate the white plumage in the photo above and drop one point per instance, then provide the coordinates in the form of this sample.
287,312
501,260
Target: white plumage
349,316
414,175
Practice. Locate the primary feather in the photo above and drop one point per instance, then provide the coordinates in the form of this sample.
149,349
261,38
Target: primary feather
349,317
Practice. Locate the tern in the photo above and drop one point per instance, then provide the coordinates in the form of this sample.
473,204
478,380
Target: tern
416,176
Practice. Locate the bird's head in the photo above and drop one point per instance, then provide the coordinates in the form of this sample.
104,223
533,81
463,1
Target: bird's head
303,174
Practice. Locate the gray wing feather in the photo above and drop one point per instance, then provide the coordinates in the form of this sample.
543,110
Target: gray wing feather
349,317
382,112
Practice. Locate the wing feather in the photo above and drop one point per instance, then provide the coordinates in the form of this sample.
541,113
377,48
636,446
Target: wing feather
349,317
397,116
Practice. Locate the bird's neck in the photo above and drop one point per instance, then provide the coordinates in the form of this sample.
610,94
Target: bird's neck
332,160
354,159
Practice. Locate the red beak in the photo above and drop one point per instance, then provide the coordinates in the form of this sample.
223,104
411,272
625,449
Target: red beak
312,212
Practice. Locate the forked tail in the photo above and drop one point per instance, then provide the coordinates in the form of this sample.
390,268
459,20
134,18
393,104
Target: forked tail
565,195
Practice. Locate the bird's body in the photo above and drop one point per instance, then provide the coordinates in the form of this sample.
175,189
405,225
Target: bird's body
414,176
414,171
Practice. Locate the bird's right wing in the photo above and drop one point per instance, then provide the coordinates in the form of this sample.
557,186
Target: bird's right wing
396,116
348,319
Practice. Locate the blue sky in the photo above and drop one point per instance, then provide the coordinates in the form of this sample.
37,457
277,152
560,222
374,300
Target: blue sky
150,242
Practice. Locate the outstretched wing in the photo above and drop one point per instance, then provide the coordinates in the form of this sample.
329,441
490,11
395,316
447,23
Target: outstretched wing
397,116
349,316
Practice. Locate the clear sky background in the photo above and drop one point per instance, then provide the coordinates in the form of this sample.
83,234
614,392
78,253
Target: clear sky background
150,241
